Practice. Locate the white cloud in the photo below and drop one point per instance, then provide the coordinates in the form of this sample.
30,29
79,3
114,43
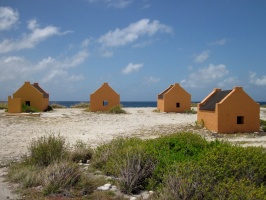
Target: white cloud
107,54
120,4
219,42
256,80
8,17
134,31
142,44
151,79
202,56
205,76
19,69
229,82
30,40
131,68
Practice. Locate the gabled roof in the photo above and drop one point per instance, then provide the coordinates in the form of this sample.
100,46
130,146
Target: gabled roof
45,94
105,86
215,98
160,96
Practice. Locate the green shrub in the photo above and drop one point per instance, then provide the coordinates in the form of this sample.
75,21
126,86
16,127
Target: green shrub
105,156
165,151
81,105
3,106
134,167
237,162
55,105
60,176
117,110
29,109
191,111
223,172
196,181
49,108
26,175
263,124
172,149
47,149
82,152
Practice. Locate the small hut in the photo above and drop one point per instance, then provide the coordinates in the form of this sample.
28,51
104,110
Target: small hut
174,99
29,94
104,98
229,111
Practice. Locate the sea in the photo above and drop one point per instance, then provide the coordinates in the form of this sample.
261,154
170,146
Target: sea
125,104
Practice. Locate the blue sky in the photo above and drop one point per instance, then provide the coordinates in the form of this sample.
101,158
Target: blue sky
139,47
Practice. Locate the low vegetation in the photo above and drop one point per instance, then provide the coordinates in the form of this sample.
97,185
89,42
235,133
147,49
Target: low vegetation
55,106
81,105
117,110
177,166
3,106
263,124
29,109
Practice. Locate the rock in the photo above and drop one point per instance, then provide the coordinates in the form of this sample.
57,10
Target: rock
113,188
133,198
104,187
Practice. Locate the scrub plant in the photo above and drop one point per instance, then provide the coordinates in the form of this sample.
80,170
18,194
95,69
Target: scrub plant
81,105
47,149
117,110
29,109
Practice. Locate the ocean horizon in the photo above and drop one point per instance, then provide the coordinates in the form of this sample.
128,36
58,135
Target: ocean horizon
125,104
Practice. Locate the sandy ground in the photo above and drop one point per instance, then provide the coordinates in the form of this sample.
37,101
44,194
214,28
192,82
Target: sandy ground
96,128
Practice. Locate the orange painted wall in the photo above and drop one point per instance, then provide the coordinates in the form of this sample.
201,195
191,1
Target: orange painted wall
209,119
176,94
224,118
29,93
14,105
104,93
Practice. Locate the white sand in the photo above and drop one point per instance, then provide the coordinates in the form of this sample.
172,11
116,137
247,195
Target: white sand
75,124
95,128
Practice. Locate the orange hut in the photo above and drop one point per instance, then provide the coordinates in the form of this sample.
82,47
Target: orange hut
104,98
174,99
229,111
29,94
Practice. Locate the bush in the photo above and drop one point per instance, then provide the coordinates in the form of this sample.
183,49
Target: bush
195,181
47,149
26,175
81,105
59,176
191,111
263,124
172,149
81,152
225,171
106,155
3,106
29,109
118,156
117,110
55,105
49,108
134,169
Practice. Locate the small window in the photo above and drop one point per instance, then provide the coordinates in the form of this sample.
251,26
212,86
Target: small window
27,103
105,103
177,105
240,120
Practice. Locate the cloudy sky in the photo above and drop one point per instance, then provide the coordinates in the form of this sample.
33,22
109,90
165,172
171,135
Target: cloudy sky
139,47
